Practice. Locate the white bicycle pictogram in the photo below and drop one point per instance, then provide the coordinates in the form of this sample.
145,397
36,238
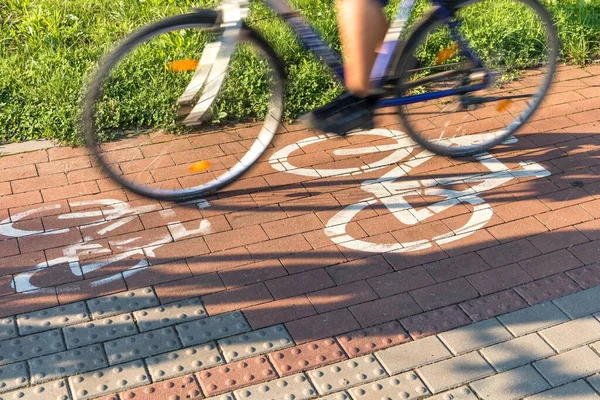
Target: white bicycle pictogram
393,192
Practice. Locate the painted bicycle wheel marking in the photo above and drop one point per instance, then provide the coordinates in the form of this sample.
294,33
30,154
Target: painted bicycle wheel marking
393,192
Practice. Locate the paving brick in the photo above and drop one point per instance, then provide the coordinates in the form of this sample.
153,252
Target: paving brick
255,342
564,217
293,387
108,380
384,310
321,326
233,376
44,241
342,296
184,361
508,253
461,393
70,191
413,354
29,301
515,384
517,352
576,390
238,298
499,278
579,304
403,386
586,277
122,302
401,281
588,253
252,273
548,288
572,334
322,257
444,294
50,390
27,347
276,312
346,374
8,328
66,363
455,267
301,283
184,387
569,366
594,381
532,319
360,269
235,238
454,372
20,199
559,239
212,328
225,396
307,356
182,289
141,345
292,226
13,376
52,318
368,340
516,230
475,336
279,247
550,264
432,322
99,331
492,305
522,209
169,314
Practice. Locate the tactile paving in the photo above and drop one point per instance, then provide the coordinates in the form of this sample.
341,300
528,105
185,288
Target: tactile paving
99,331
184,387
368,340
493,305
296,387
337,396
179,362
307,356
346,374
122,302
56,390
399,387
461,393
51,318
233,376
13,376
170,314
8,328
142,345
108,380
27,347
212,328
256,342
70,362
225,396
432,322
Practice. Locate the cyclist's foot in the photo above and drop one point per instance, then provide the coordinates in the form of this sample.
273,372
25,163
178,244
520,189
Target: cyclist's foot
344,114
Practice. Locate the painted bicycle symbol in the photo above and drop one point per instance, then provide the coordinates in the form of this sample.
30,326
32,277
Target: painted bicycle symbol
394,188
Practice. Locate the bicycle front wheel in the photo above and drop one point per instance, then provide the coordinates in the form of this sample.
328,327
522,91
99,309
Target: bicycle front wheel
157,124
516,42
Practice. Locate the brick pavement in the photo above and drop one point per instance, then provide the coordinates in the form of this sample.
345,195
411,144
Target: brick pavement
104,293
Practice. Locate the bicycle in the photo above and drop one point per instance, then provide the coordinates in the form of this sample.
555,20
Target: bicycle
442,75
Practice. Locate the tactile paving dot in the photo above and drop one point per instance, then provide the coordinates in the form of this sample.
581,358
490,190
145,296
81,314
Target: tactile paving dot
50,318
56,390
492,305
8,328
296,387
346,374
142,345
233,376
70,362
461,393
26,347
99,331
184,387
225,396
212,328
374,338
108,380
399,387
183,361
432,322
336,396
307,356
122,302
256,342
170,314
13,376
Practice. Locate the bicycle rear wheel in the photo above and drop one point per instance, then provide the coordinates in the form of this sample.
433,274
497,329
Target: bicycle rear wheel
517,44
140,118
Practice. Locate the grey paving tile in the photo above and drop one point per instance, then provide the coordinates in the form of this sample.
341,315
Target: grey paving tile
461,393
581,303
8,328
108,380
256,342
517,352
123,302
594,380
346,374
169,314
456,371
52,318
63,364
413,354
36,345
398,387
295,387
212,328
13,376
475,336
511,385
572,334
47,391
569,366
578,390
532,319
142,345
224,396
98,331
180,362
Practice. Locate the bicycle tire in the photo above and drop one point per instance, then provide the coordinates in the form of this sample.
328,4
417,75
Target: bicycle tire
202,19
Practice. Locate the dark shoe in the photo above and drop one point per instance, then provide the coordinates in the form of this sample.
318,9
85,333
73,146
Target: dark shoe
344,114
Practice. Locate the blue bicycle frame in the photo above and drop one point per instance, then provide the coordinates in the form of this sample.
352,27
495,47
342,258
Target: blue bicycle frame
312,42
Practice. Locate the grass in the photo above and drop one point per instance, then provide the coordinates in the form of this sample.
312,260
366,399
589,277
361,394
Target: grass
48,48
